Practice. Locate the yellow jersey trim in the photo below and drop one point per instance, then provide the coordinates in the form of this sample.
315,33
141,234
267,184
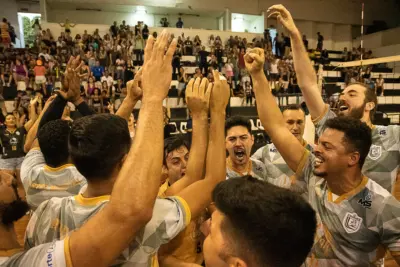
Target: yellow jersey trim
348,194
319,118
51,169
35,148
302,162
249,167
67,253
92,201
186,208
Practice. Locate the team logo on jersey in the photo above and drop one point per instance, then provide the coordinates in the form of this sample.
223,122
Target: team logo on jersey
382,132
13,141
17,133
352,222
366,202
375,152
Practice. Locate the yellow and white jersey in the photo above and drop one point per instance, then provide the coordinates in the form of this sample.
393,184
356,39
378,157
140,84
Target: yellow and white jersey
55,218
42,182
45,255
353,227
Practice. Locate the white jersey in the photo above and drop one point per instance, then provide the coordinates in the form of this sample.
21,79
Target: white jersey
55,218
42,182
352,229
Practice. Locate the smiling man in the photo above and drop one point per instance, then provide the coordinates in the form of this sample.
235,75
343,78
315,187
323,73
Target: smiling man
356,101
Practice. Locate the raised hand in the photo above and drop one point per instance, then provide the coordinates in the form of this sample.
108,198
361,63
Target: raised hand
284,17
254,61
72,80
157,68
134,91
220,94
198,94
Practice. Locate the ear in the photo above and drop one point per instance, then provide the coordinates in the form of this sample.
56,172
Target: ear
354,158
236,262
370,106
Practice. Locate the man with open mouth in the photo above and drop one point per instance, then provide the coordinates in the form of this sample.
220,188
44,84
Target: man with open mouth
356,216
357,101
239,142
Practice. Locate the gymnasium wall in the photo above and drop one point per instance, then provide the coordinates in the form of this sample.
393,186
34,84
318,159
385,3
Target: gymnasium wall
380,39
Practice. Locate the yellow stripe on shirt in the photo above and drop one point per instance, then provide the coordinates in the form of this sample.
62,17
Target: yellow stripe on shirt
67,254
186,208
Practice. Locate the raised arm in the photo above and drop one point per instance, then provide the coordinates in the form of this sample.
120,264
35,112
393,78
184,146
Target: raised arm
306,76
133,96
268,111
197,99
135,190
198,195
32,115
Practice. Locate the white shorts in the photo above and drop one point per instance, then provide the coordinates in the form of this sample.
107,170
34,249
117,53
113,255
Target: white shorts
40,79
21,86
11,164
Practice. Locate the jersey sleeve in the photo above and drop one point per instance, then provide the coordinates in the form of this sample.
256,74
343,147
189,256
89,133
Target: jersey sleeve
320,121
34,222
258,155
45,255
306,167
32,161
170,216
389,224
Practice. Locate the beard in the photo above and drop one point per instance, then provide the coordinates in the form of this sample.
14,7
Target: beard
355,113
13,211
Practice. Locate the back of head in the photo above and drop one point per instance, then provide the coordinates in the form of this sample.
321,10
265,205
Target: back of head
357,135
53,142
262,222
237,121
98,143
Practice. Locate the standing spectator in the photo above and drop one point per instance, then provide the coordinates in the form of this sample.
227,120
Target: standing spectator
380,85
213,62
241,59
325,57
188,47
203,54
305,41
5,35
40,76
129,72
344,54
67,25
182,79
176,63
120,66
139,49
97,71
179,23
286,45
219,53
107,78
145,33
114,29
36,27
20,72
248,89
229,71
197,47
320,43
278,45
138,28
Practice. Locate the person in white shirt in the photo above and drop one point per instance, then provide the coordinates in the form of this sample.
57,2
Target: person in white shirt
107,78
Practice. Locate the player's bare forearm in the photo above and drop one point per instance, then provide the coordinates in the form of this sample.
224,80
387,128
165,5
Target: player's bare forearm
306,76
126,108
272,120
216,154
32,119
198,149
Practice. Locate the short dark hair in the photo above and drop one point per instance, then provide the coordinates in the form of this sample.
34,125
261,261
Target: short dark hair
237,121
53,142
262,222
293,107
98,143
173,143
370,96
357,135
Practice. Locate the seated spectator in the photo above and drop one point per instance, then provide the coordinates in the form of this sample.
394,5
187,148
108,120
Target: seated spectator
114,29
97,71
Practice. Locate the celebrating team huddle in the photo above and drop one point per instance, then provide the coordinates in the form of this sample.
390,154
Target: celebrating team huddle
102,198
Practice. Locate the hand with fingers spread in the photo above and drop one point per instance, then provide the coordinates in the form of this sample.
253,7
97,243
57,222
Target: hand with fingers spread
72,80
134,91
220,94
198,92
284,17
157,68
254,60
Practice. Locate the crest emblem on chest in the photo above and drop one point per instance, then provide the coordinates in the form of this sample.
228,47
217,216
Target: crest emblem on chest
375,152
352,222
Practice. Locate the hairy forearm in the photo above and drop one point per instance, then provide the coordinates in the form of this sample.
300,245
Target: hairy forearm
32,118
126,108
268,111
306,76
143,162
216,154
